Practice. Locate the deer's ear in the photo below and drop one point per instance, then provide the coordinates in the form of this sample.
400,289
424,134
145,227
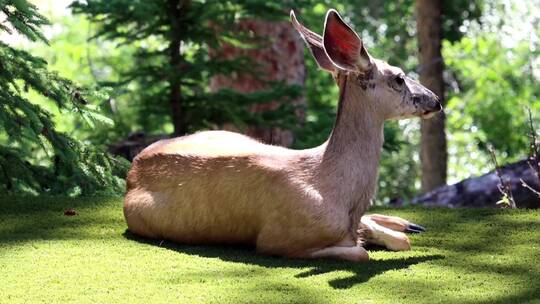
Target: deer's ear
315,44
342,45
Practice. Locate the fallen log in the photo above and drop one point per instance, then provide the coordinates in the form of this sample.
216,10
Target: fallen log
482,191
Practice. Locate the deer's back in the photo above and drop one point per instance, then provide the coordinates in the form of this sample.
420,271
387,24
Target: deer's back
213,144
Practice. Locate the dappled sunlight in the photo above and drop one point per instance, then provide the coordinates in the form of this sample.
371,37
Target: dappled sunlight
469,256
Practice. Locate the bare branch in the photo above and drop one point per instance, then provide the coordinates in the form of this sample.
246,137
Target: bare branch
534,159
524,184
504,186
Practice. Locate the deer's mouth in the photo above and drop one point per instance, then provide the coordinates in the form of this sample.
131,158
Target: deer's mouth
428,114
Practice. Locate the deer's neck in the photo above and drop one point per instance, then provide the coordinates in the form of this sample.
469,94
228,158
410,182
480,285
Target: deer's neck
350,158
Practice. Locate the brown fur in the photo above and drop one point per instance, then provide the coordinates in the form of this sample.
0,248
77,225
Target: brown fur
218,187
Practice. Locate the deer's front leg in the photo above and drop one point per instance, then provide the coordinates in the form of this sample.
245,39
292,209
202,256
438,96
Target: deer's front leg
383,236
396,223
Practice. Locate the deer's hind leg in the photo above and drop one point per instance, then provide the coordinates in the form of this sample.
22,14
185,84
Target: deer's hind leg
309,245
355,253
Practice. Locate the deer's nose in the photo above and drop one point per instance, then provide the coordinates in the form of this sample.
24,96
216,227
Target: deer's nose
434,103
433,106
438,105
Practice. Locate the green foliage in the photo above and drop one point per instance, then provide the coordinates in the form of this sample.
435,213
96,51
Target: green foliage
493,88
34,156
487,104
399,171
172,42
457,14
22,17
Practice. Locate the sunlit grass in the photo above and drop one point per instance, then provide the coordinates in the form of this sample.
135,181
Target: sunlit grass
466,256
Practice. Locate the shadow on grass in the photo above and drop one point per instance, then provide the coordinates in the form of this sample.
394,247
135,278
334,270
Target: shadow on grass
362,272
502,243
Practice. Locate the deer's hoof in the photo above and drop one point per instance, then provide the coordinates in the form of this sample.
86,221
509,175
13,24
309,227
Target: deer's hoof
414,228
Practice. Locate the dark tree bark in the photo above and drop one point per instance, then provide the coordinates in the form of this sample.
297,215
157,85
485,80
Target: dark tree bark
482,191
433,154
175,99
282,60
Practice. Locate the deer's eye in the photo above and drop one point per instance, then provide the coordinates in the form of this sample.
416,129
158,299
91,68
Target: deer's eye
400,80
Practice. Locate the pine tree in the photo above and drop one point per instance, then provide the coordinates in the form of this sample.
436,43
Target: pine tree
173,65
35,157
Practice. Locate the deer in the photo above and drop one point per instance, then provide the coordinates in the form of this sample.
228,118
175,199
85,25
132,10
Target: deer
223,188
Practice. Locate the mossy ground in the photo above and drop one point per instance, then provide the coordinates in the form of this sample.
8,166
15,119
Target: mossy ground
466,256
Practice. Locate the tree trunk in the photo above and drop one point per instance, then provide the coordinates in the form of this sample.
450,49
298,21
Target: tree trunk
282,60
433,154
175,59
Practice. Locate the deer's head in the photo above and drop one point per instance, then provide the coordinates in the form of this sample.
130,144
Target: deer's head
341,52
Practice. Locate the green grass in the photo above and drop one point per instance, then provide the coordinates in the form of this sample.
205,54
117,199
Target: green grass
466,256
